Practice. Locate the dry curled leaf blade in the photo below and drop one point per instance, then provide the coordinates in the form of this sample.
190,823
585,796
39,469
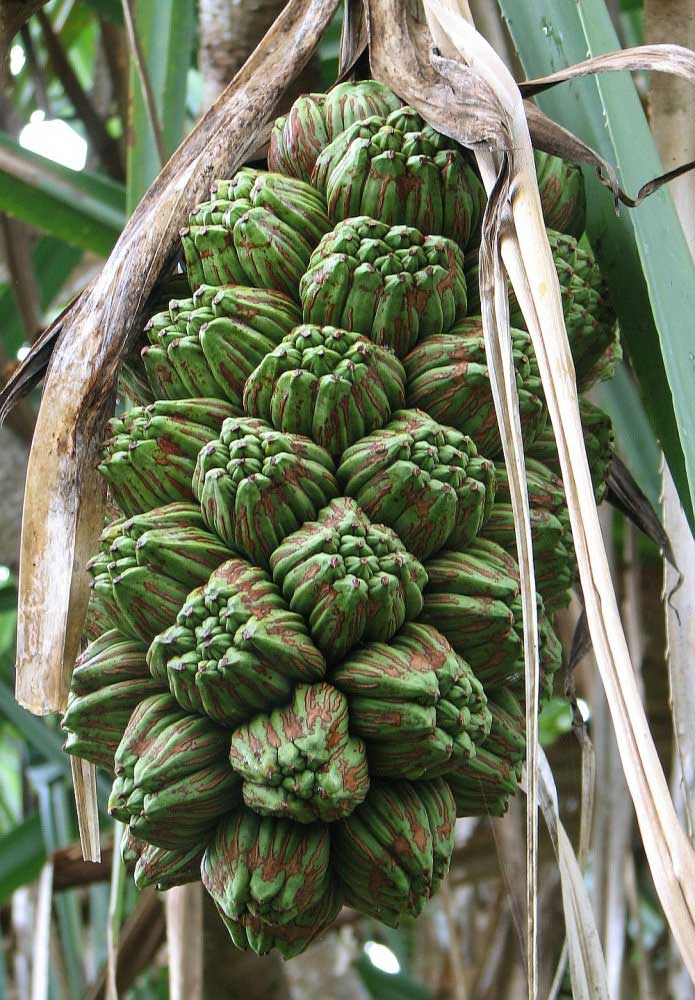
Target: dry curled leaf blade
675,59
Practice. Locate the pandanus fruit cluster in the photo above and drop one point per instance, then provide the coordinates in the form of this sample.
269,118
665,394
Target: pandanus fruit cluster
305,633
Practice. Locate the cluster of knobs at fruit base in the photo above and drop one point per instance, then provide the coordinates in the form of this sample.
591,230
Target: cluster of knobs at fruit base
305,655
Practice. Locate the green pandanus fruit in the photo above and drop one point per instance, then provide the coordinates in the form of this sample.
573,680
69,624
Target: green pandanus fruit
351,580
473,598
256,485
328,384
403,173
563,197
554,561
271,881
173,780
416,702
307,654
299,761
423,479
314,120
110,679
150,454
395,848
389,283
481,785
599,440
236,648
211,349
448,377
259,229
158,866
147,564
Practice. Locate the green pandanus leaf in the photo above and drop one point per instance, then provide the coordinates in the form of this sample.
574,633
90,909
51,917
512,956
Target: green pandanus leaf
149,456
236,648
256,485
328,384
351,580
402,172
210,349
385,851
147,564
417,477
259,229
393,285
314,120
300,761
416,702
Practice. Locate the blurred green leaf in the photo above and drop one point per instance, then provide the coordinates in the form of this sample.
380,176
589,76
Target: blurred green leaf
643,252
554,721
83,209
110,10
54,261
387,986
635,439
22,853
166,33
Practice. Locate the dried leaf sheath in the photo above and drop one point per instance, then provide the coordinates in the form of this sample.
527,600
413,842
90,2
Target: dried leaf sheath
670,855
64,502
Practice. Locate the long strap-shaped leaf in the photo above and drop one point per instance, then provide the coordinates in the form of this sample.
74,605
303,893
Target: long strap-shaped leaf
530,266
63,511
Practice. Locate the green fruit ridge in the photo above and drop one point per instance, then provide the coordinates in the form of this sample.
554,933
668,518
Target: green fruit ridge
304,647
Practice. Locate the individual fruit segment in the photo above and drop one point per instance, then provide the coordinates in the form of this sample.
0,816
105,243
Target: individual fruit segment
385,851
314,120
402,172
147,564
236,648
471,598
554,560
173,781
447,375
416,702
389,283
424,480
563,197
255,485
328,384
259,229
261,870
351,580
599,440
300,761
149,456
109,680
158,866
483,784
210,344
